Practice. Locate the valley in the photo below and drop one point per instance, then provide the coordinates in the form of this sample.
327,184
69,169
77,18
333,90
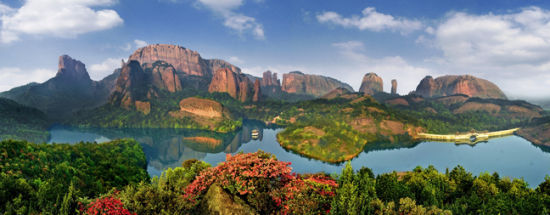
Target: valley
169,111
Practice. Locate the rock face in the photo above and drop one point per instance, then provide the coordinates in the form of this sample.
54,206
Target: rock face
236,85
202,107
130,86
463,84
371,84
270,84
204,112
72,70
183,60
164,76
69,91
315,85
257,91
137,84
394,87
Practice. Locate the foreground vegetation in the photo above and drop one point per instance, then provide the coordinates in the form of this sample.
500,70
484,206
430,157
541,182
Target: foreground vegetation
110,178
55,178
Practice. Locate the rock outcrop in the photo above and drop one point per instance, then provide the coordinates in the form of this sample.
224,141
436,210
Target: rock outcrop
463,84
202,107
257,91
137,84
204,112
72,70
371,84
394,87
69,91
131,86
315,85
183,60
270,84
236,85
164,76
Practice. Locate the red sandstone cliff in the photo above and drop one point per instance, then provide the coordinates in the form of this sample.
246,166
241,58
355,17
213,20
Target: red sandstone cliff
315,85
371,84
463,84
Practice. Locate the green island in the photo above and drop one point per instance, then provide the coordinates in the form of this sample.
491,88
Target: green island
78,179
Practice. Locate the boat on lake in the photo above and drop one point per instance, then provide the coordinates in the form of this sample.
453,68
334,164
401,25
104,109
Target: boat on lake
255,134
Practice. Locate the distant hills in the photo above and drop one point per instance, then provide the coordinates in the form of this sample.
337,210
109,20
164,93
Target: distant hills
21,122
69,91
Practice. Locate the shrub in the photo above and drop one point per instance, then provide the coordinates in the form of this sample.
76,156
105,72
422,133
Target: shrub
251,176
107,205
311,195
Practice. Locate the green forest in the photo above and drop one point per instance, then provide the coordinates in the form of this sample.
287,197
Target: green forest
110,178
22,122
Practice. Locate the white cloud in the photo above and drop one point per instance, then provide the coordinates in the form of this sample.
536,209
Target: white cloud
235,60
105,68
509,49
18,77
371,20
393,67
140,43
58,18
241,23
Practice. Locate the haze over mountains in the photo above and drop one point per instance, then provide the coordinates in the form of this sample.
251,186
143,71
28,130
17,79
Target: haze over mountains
159,68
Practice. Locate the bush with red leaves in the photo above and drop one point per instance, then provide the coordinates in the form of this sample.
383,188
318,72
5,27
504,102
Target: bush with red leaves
106,206
252,176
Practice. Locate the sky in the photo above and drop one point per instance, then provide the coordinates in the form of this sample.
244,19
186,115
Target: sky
504,41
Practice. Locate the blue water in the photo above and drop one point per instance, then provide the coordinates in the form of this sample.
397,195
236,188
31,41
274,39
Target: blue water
510,156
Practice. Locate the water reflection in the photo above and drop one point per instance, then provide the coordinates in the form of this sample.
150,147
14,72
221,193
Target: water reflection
165,148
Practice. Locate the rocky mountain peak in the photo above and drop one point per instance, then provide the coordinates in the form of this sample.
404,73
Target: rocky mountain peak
184,60
394,87
314,85
236,85
458,84
371,84
71,69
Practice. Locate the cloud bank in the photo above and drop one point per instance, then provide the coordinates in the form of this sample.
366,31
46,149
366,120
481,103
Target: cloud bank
370,20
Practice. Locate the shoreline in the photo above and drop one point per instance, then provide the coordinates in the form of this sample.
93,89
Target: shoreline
467,137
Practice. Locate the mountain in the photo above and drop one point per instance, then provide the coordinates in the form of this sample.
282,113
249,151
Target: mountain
21,122
69,91
453,84
236,85
315,85
183,60
270,84
371,84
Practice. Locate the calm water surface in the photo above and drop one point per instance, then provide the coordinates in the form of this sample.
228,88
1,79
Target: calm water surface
165,148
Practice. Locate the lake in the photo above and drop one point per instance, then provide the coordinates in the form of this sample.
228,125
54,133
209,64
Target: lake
510,156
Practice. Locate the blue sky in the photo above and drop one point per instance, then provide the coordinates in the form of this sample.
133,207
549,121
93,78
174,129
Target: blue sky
505,41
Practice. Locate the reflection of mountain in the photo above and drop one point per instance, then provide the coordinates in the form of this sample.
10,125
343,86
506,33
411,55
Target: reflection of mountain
170,147
379,146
